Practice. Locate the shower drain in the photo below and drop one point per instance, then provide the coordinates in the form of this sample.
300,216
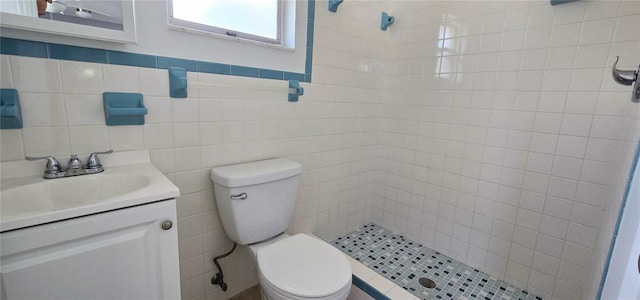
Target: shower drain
426,282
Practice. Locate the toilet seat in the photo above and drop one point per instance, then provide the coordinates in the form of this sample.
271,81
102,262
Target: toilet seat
271,292
304,267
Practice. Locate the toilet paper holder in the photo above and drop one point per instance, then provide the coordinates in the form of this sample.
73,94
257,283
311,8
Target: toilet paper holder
627,77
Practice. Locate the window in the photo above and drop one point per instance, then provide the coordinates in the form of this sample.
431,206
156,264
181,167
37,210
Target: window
256,20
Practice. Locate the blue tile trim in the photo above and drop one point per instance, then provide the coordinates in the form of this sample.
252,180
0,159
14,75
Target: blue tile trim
244,71
213,68
168,62
311,12
271,74
294,76
605,271
365,287
75,53
23,48
19,47
131,59
556,2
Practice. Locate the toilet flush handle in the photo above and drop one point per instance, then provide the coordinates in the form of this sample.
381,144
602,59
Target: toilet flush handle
242,196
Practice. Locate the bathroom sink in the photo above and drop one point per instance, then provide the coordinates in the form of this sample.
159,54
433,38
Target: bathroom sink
32,200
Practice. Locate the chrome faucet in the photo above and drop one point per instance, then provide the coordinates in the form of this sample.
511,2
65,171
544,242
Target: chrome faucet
74,166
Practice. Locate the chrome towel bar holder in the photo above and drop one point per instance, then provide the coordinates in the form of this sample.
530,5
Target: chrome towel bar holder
627,77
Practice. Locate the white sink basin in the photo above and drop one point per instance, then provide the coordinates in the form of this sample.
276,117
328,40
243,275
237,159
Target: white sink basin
32,200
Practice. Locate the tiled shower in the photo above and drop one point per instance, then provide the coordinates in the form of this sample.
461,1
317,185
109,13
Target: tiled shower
490,131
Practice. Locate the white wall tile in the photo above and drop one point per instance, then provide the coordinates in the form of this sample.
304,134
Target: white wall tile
187,158
547,122
46,141
569,13
571,146
586,79
121,79
84,109
153,82
41,109
561,58
558,207
627,29
554,227
88,139
556,80
600,31
591,56
565,35
582,235
81,77
550,246
541,281
537,38
158,136
159,109
572,273
581,102
185,110
544,143
566,167
577,254
11,146
186,134
599,10
46,80
163,160
6,78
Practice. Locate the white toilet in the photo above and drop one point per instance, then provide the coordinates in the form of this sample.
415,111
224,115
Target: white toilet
256,201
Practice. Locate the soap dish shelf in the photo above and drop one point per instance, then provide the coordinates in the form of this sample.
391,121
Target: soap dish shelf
123,109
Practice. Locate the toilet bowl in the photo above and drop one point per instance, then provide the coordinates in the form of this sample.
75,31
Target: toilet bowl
301,267
256,201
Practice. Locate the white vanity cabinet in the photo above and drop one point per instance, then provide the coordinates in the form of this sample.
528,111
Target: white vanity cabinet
120,254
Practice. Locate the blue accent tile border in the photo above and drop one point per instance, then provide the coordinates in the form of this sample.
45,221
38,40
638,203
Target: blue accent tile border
23,48
19,47
75,53
365,287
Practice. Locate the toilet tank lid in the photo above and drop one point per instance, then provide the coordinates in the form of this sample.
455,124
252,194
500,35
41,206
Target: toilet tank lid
255,172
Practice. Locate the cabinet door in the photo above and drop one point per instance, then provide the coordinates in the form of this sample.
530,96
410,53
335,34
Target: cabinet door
122,254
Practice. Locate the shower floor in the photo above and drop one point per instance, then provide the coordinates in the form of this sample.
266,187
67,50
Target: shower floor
404,262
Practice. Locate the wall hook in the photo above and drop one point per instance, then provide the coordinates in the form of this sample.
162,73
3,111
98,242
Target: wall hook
295,90
177,82
386,21
333,5
627,77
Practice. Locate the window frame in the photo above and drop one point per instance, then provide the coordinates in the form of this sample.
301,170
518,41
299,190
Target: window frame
199,28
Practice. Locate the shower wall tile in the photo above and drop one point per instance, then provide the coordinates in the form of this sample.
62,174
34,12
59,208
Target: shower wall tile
541,137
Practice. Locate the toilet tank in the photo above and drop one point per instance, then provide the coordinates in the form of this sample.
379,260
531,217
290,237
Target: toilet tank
256,200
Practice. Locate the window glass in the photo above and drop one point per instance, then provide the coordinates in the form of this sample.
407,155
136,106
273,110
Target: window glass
232,17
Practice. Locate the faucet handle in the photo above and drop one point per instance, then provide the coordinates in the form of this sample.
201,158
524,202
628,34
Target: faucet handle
93,162
52,167
74,162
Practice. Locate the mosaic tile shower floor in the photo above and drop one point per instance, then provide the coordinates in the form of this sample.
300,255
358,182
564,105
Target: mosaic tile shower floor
404,261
